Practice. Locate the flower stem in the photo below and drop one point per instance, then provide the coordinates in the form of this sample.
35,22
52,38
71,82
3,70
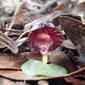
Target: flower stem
45,58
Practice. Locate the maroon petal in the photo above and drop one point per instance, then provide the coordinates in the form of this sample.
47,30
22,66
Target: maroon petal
44,38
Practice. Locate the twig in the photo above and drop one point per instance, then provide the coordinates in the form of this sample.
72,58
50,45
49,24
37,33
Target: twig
16,13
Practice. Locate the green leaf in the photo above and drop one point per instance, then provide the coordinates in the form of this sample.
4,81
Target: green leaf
37,68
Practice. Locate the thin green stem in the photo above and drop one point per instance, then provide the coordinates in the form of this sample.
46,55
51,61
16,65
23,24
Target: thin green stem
45,58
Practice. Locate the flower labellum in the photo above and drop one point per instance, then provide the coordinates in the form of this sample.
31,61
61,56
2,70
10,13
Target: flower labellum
44,39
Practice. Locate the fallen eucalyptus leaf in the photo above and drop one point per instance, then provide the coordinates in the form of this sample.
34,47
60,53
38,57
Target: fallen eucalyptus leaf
75,30
19,75
11,61
37,68
6,41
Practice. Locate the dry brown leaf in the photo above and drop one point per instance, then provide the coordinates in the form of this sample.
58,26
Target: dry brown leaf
11,61
6,41
19,75
29,55
68,44
75,30
60,58
75,81
16,74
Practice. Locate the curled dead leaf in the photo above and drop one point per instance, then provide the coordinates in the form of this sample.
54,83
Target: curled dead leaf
75,30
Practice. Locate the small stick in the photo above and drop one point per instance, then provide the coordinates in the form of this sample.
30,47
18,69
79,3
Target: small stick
16,13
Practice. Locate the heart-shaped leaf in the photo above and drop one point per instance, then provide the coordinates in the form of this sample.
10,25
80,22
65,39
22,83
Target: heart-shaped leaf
37,68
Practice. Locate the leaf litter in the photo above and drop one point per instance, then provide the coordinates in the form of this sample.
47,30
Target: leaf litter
14,38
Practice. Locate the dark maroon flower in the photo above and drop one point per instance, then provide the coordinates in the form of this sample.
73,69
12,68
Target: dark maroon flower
45,38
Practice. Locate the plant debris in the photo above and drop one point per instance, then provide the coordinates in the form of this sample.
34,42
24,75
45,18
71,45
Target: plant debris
18,19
